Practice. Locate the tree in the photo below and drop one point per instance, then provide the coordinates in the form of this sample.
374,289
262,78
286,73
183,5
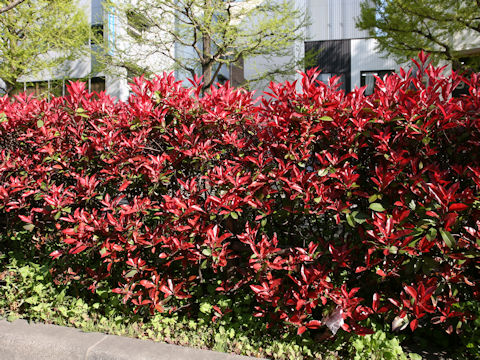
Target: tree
203,36
40,35
405,27
10,6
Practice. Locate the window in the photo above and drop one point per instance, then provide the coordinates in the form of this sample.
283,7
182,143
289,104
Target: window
368,78
97,84
325,77
97,30
137,24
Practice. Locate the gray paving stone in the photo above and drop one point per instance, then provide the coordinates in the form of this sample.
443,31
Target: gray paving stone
20,340
120,348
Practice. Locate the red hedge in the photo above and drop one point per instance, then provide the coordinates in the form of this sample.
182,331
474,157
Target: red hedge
313,200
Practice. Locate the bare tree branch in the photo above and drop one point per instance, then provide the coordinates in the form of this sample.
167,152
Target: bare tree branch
10,6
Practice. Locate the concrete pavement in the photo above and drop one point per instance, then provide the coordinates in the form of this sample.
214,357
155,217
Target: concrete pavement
20,340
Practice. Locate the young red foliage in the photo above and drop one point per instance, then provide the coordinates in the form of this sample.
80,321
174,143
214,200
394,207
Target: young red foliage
310,198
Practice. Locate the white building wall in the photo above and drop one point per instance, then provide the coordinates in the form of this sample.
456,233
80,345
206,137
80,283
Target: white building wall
333,20
262,64
318,15
366,58
465,40
351,11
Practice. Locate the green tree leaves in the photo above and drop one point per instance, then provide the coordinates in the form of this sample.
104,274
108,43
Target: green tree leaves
40,36
405,27
202,37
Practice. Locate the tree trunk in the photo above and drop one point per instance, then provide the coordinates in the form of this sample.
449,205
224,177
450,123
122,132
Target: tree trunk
207,49
9,86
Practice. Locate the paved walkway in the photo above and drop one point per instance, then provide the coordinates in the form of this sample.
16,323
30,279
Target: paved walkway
20,340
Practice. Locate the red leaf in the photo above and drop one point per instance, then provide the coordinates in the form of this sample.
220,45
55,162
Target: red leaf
55,254
77,249
26,219
313,324
458,207
301,330
381,273
375,302
166,290
147,284
411,291
124,185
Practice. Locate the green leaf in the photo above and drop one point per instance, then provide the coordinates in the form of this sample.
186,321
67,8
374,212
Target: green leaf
432,234
412,205
29,227
12,317
39,123
447,237
377,207
234,215
32,300
322,172
350,220
326,118
131,273
205,308
359,218
207,252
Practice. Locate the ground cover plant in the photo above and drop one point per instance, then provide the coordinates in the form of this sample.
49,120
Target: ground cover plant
324,212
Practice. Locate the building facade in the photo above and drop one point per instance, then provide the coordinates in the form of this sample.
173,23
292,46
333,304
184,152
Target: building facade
340,49
54,81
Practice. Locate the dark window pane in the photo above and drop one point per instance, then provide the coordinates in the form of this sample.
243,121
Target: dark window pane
368,78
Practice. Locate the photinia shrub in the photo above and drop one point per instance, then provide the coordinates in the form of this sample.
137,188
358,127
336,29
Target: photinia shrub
330,208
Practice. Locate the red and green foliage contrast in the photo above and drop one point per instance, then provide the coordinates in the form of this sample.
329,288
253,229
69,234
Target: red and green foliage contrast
312,200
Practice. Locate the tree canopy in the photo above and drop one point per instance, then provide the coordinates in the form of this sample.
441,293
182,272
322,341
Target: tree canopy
405,27
203,36
40,35
9,6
